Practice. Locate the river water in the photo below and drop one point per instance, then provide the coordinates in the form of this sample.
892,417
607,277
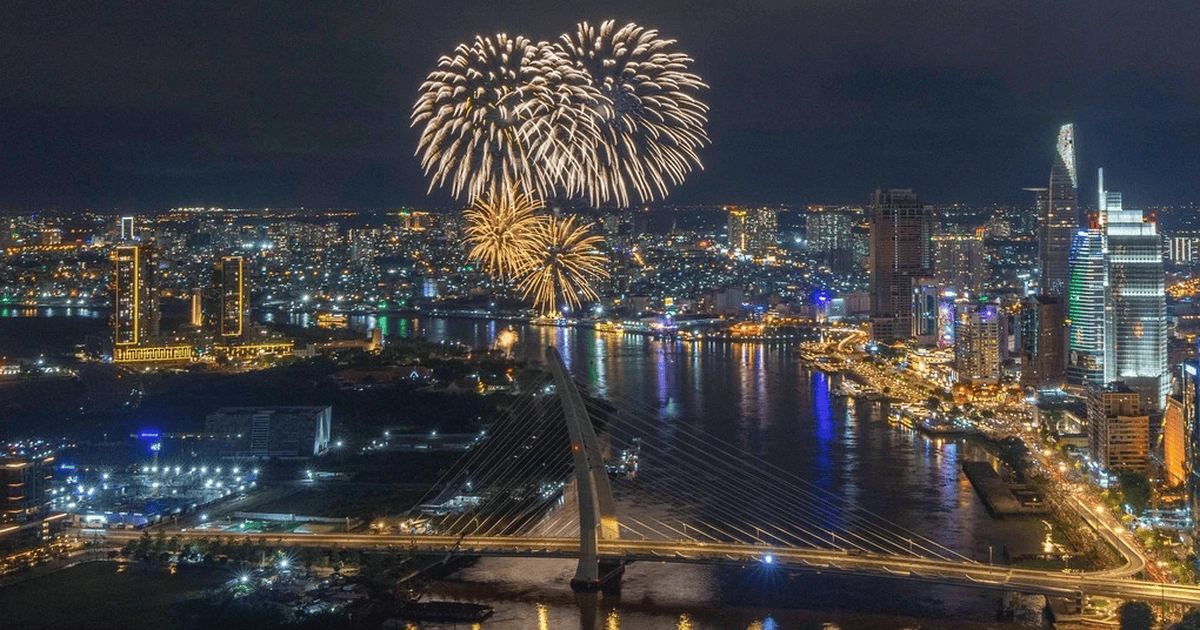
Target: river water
760,399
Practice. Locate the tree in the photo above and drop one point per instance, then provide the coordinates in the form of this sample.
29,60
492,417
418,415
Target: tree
1136,616
1135,487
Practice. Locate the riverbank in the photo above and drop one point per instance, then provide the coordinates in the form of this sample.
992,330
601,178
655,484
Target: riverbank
105,594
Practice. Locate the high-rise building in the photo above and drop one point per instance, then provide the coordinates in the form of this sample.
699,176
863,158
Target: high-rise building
979,336
135,315
1136,326
127,234
1190,395
1085,310
927,297
959,261
752,231
1174,442
24,504
1060,218
829,231
1118,429
1043,365
831,239
901,253
230,280
1183,248
196,320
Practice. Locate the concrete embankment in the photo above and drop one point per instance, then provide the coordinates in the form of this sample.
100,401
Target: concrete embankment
1000,498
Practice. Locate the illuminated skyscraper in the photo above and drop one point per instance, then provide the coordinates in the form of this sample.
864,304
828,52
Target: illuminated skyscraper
752,231
1136,326
1191,443
1060,216
1085,310
959,261
978,334
901,254
135,314
230,280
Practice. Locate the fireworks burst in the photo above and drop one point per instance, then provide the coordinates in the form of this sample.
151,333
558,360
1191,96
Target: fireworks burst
476,108
505,340
501,227
645,123
566,262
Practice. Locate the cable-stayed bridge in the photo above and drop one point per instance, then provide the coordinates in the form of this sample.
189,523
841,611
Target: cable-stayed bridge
609,482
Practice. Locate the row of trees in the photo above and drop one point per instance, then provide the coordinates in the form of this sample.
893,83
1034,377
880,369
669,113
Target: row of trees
161,548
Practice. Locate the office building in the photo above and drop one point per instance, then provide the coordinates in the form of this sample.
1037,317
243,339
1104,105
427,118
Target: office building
135,315
1118,429
1043,363
263,432
979,337
1136,326
1060,216
901,254
1085,310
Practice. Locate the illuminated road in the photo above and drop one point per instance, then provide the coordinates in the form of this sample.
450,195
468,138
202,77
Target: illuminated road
1110,583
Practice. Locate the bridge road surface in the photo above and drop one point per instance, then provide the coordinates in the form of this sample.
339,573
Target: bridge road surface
1109,583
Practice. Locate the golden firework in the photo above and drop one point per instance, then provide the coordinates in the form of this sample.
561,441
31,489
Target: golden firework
566,260
501,228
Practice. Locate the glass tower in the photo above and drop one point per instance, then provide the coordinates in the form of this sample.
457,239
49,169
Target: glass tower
1136,323
1085,310
1059,216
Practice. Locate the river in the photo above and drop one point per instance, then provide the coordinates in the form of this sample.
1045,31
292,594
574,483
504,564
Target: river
759,398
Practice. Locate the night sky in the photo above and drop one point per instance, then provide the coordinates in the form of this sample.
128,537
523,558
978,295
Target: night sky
160,104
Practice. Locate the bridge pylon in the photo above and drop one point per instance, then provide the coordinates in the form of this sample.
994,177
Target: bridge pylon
597,514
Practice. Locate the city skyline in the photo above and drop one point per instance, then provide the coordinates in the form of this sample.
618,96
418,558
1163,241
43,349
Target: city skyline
809,104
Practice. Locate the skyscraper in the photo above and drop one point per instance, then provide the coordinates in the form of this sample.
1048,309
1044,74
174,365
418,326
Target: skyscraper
231,284
1060,216
1136,326
1087,296
901,253
959,260
978,333
126,229
135,301
752,231
1042,342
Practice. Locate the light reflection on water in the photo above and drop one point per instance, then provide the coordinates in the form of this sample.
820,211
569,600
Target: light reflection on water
758,398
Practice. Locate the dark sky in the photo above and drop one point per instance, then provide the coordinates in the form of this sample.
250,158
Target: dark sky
163,103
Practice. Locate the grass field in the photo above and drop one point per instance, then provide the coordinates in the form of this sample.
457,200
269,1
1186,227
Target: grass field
103,595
